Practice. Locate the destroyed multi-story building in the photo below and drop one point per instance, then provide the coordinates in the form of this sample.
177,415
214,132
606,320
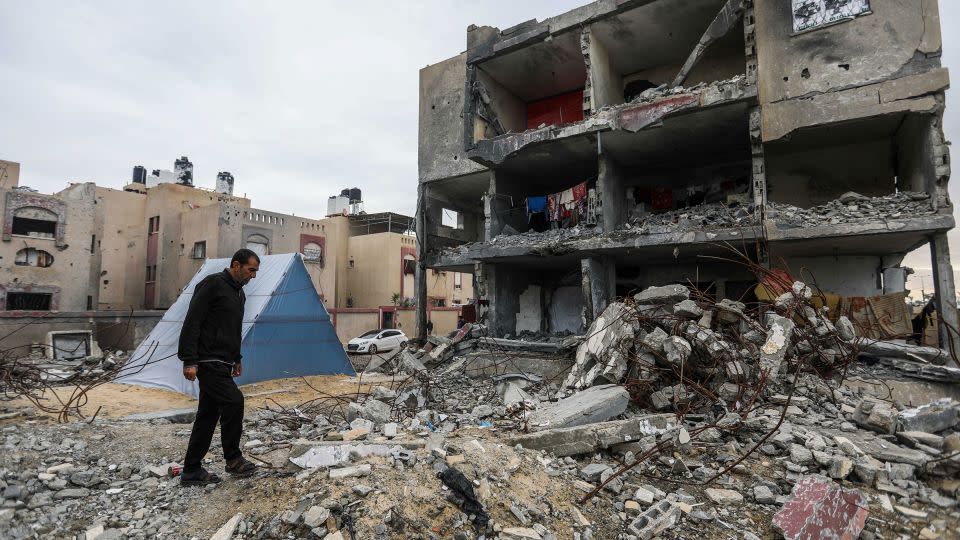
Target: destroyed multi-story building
625,144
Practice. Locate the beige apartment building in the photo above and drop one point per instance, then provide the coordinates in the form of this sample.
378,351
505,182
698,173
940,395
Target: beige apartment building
93,248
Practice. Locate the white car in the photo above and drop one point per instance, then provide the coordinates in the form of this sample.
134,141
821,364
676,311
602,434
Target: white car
376,341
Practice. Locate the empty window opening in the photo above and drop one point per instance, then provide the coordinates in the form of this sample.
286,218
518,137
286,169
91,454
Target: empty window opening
154,225
409,267
200,250
452,219
36,222
635,88
33,257
457,281
25,301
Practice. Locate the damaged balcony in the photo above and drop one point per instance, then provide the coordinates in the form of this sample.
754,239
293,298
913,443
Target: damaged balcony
684,182
866,187
562,84
455,214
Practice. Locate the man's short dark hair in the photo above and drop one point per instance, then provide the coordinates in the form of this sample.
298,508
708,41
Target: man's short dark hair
242,256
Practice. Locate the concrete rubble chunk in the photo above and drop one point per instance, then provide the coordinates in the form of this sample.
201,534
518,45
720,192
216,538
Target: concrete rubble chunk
655,520
654,340
350,472
375,411
593,472
519,533
174,416
332,455
845,328
934,417
820,508
667,294
774,350
677,350
875,415
595,404
589,438
604,353
226,531
688,309
724,496
315,516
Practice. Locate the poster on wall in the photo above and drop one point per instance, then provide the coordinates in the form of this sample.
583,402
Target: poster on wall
812,14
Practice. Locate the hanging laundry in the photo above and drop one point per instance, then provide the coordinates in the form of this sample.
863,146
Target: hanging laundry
553,206
580,200
536,204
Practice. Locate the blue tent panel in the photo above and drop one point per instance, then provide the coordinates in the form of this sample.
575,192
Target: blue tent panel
293,334
286,331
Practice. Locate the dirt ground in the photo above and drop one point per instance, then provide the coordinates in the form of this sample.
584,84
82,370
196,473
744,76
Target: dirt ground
115,400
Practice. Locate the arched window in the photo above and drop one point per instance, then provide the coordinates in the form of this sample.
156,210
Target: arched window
258,244
33,257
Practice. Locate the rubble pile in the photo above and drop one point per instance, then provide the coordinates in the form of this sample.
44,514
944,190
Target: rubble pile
678,416
852,208
39,368
665,90
706,216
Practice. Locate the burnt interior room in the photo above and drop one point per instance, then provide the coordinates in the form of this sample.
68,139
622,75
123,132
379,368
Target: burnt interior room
874,157
646,47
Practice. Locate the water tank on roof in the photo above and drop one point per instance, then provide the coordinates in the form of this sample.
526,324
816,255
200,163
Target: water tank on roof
355,195
224,183
139,175
183,171
345,192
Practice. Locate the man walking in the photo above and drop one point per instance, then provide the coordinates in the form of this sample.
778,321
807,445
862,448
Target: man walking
210,351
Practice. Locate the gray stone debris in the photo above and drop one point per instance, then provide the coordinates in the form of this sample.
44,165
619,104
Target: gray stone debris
668,294
604,353
595,404
774,350
933,417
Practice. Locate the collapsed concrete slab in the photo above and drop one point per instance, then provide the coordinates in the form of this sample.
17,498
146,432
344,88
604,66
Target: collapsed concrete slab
604,353
668,294
595,404
933,417
174,416
578,440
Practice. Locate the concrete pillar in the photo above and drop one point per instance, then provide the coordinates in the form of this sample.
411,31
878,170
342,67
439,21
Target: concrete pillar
894,280
598,280
946,294
421,272
613,194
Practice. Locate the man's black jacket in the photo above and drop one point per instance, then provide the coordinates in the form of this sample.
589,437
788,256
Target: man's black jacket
211,329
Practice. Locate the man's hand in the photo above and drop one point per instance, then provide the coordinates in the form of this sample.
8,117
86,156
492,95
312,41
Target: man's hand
237,370
190,373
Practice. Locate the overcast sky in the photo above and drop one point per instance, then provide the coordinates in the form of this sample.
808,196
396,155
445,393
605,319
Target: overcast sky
297,99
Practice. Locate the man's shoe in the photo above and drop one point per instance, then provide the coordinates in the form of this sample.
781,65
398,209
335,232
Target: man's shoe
199,478
241,468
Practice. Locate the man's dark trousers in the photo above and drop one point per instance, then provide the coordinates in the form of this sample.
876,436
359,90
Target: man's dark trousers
220,399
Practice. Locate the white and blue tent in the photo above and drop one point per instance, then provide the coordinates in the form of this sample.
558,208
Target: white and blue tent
286,331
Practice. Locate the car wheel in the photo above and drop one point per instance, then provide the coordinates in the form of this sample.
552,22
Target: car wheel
373,349
403,344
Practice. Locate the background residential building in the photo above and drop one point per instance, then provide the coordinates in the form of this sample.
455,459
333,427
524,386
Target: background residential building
91,248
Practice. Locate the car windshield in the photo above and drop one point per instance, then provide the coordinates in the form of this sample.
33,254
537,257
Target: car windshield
370,334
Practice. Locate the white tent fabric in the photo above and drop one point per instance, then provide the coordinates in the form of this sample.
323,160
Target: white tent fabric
158,353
